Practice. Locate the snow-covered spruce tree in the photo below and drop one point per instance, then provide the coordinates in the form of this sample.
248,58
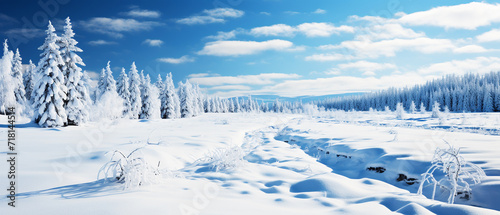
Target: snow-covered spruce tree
413,108
497,98
186,99
109,105
237,106
50,92
198,100
106,82
488,99
7,88
17,78
135,92
435,110
150,108
122,88
78,102
400,111
86,82
169,99
422,108
159,84
29,81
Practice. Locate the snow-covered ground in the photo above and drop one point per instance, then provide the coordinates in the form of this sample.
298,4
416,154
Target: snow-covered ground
254,164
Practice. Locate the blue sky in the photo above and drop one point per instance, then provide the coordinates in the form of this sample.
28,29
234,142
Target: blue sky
273,47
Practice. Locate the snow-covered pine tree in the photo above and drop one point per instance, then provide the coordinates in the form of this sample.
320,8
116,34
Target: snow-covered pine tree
135,92
17,79
159,84
29,81
497,98
78,102
237,107
50,92
86,81
186,99
422,108
488,99
169,99
400,111
122,88
150,108
106,82
435,110
231,106
7,88
413,108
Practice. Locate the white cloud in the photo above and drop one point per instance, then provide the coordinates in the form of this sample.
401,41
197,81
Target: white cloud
316,29
237,48
101,42
28,33
313,29
470,49
194,20
217,15
329,57
319,11
224,12
115,27
265,13
490,36
464,16
479,65
292,12
274,30
143,13
387,31
260,79
388,48
152,42
224,35
366,66
183,59
198,75
231,87
332,71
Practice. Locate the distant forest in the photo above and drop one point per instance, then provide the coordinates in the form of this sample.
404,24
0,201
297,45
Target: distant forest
467,93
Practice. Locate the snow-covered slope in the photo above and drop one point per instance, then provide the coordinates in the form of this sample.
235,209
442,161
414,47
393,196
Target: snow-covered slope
267,164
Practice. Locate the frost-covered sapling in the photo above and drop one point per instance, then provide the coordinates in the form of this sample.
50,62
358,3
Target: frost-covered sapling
224,158
458,173
131,170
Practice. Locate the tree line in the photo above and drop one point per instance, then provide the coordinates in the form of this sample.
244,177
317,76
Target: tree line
466,93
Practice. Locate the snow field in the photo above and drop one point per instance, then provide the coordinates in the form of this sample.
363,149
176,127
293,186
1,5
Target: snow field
247,164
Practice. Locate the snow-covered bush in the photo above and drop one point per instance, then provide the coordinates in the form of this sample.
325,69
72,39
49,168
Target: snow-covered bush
131,170
310,109
109,106
224,158
458,173
387,109
400,111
